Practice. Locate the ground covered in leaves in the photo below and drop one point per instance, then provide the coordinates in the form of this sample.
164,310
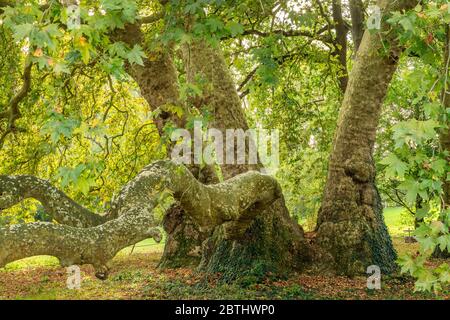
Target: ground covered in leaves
135,276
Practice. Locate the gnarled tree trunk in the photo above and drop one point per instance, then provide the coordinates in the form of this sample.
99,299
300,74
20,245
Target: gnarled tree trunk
158,82
131,218
350,223
273,242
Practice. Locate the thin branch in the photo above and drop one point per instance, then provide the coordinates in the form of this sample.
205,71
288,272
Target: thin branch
13,113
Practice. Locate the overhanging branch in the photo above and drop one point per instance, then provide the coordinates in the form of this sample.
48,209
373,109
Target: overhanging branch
237,201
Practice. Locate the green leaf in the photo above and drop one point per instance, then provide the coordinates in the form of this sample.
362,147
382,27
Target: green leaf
437,228
136,55
235,28
444,242
407,263
422,213
214,24
423,231
427,245
426,281
84,184
396,167
439,166
406,24
61,67
412,188
432,109
193,8
22,31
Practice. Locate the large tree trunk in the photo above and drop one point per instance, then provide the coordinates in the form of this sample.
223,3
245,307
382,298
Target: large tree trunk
158,81
444,136
185,243
350,223
273,242
340,43
357,15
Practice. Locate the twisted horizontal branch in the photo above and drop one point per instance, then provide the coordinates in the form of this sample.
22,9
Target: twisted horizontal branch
56,203
235,201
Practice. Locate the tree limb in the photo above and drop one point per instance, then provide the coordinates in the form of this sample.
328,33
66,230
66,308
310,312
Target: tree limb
58,205
13,113
236,202
357,15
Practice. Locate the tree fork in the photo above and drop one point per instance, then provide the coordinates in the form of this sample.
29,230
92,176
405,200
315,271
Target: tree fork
350,224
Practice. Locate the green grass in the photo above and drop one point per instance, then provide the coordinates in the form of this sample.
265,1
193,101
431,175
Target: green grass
134,275
145,246
398,220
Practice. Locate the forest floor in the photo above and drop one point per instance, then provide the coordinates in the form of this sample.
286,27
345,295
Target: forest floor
134,276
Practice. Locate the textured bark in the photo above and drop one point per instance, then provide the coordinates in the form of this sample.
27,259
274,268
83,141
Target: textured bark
219,95
60,207
445,133
444,136
209,206
357,15
340,43
350,223
158,81
184,240
273,242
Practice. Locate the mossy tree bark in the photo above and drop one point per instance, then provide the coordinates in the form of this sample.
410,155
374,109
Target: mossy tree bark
131,217
350,223
444,136
273,242
158,81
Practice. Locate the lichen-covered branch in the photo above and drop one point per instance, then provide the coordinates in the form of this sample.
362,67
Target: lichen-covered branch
209,206
56,204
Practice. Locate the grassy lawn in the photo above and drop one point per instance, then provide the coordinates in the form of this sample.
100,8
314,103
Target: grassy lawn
135,276
397,221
